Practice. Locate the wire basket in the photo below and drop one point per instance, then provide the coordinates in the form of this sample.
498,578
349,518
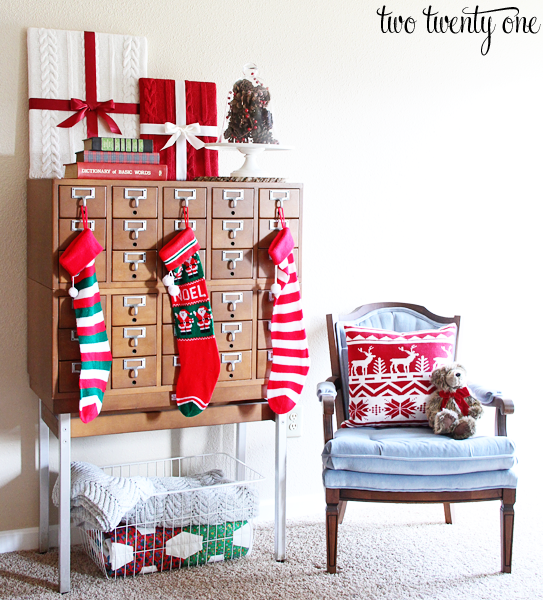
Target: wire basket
202,512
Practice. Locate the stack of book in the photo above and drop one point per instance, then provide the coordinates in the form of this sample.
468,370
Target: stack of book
117,158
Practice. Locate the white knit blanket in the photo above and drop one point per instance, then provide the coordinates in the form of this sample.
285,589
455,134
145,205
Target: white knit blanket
100,501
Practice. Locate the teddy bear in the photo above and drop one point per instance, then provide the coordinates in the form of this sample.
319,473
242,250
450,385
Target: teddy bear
451,409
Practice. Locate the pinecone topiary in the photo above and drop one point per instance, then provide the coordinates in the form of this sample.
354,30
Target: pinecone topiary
249,119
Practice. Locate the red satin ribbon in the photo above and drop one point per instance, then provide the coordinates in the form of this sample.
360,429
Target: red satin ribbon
459,397
89,108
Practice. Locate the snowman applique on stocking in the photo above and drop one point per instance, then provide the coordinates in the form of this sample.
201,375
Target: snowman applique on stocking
193,323
78,260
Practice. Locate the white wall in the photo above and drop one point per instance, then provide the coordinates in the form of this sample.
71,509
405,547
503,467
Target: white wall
421,163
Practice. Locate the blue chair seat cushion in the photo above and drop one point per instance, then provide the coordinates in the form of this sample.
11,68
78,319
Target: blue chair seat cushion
486,480
415,451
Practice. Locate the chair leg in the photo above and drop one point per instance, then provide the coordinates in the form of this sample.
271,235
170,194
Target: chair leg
507,522
449,513
332,518
342,507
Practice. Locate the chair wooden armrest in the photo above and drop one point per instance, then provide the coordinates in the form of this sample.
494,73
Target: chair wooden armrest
327,393
503,408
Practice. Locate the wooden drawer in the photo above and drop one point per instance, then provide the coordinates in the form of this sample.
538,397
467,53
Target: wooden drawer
233,203
266,268
134,233
232,233
234,335
177,197
235,365
173,226
264,360
170,369
71,200
66,312
268,228
271,200
139,309
69,229
68,344
68,375
169,345
140,202
100,263
133,372
134,340
232,305
232,264
265,304
263,334
134,265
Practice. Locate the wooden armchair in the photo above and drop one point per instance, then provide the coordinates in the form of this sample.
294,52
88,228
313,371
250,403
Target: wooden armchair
363,463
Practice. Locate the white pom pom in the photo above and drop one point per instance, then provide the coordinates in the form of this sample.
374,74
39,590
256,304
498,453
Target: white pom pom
173,290
73,291
275,290
168,280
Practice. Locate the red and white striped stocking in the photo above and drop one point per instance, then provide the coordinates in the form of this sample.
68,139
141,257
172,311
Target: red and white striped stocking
289,342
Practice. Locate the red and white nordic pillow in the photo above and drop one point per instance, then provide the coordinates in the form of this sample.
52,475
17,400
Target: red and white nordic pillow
389,373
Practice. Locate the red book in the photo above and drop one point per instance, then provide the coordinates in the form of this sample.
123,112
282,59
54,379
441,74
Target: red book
138,158
90,170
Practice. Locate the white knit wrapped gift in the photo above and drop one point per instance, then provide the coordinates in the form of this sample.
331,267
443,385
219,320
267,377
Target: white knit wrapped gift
57,70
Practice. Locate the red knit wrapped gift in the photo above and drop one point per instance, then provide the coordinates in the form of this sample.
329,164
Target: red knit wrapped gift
180,116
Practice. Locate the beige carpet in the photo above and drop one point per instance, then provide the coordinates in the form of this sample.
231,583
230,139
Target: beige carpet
385,552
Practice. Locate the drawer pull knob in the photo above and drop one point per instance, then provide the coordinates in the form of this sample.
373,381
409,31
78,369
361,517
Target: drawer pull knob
129,333
134,262
76,367
134,195
279,196
179,225
83,194
77,225
231,329
232,227
133,365
275,224
184,195
134,302
232,256
232,197
232,300
231,360
134,227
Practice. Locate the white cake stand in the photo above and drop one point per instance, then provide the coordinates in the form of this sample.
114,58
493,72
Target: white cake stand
250,167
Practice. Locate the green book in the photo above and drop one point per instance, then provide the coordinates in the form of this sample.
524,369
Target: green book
108,144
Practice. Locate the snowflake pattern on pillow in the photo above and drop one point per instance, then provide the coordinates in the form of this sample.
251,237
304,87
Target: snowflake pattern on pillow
389,373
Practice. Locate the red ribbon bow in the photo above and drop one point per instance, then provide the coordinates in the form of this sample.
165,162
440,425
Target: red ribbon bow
459,397
84,107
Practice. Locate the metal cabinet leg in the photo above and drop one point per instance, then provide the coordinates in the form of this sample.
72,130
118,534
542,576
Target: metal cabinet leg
64,505
43,433
280,487
241,449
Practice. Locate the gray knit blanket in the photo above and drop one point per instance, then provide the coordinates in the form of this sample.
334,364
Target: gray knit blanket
100,501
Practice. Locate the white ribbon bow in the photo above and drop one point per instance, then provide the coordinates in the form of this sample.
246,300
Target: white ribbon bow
186,132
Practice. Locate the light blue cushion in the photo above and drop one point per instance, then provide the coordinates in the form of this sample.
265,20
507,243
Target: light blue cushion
415,451
486,480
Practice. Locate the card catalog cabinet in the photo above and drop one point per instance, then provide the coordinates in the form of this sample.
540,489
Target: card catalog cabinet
234,224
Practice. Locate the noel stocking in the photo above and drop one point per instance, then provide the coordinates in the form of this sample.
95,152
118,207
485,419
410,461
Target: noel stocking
289,343
78,260
193,323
